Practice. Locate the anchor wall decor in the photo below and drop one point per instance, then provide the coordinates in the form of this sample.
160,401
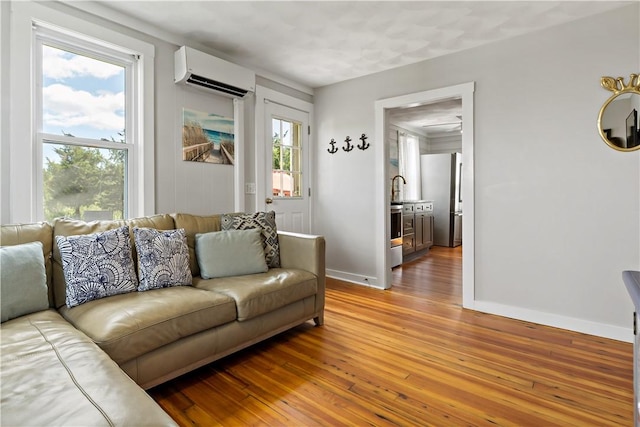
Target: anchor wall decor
348,145
333,149
364,144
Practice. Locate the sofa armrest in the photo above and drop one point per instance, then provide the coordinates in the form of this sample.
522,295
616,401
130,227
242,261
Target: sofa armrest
305,252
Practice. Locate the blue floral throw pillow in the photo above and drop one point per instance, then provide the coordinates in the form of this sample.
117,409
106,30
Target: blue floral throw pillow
97,265
163,258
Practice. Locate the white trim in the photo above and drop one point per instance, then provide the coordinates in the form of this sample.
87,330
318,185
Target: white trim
147,197
468,196
4,114
22,109
358,279
264,94
383,270
557,321
238,155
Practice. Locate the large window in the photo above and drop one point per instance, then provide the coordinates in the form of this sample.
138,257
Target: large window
86,128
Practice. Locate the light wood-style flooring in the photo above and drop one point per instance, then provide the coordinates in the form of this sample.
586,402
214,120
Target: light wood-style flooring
411,356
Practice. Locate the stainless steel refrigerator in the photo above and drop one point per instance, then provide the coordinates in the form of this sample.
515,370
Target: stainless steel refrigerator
442,184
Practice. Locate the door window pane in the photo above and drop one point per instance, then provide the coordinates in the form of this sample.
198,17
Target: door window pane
286,132
287,184
287,153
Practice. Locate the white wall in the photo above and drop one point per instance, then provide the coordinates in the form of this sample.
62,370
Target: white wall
4,106
193,187
556,209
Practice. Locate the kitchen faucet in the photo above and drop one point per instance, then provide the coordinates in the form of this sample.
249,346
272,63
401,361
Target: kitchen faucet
393,191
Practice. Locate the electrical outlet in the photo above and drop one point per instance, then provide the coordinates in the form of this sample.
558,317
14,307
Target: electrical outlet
250,188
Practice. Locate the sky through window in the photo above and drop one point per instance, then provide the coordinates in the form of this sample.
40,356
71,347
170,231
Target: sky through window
82,96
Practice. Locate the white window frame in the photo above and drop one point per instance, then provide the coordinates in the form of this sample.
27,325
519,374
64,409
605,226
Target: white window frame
25,198
66,42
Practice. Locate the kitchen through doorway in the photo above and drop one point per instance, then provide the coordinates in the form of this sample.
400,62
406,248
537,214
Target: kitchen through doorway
413,107
425,151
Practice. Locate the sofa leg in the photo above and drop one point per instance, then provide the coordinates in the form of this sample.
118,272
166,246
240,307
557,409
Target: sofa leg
319,320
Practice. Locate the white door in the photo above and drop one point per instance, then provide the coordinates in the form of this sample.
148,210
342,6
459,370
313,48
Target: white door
287,170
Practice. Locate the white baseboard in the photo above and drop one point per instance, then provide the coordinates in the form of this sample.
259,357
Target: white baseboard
354,278
557,321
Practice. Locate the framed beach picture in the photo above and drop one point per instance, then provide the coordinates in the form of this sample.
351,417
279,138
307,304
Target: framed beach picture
207,138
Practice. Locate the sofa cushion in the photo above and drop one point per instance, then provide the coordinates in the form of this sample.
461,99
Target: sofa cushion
260,293
129,325
23,280
52,374
163,258
264,221
194,224
97,265
24,233
72,227
230,253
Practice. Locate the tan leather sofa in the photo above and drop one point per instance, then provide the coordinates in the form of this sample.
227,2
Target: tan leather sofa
54,362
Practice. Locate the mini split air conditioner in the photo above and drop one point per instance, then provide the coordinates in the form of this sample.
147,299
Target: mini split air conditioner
213,74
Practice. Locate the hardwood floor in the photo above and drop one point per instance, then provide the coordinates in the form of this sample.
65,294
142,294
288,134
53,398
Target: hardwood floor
411,356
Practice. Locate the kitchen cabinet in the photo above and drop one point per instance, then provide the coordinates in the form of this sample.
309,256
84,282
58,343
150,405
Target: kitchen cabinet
457,230
417,228
423,231
408,229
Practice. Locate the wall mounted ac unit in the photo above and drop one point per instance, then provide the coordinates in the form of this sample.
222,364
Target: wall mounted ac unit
201,70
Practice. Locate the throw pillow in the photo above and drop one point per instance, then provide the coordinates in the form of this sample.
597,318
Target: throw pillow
23,280
163,258
97,265
266,222
230,253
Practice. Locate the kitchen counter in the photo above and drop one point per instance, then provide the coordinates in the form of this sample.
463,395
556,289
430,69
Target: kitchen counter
402,202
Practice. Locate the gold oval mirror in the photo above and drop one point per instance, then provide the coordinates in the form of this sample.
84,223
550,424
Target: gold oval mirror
618,118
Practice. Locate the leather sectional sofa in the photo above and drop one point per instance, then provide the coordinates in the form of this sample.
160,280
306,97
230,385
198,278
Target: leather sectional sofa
88,364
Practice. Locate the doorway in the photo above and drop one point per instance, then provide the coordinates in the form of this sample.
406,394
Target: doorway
382,109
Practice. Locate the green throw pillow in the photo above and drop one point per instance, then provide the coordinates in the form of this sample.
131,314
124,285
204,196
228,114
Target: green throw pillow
23,280
230,253
264,221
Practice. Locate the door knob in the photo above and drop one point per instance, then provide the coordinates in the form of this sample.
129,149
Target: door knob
268,200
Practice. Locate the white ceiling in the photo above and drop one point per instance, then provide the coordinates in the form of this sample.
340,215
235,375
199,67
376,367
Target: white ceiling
430,119
316,43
